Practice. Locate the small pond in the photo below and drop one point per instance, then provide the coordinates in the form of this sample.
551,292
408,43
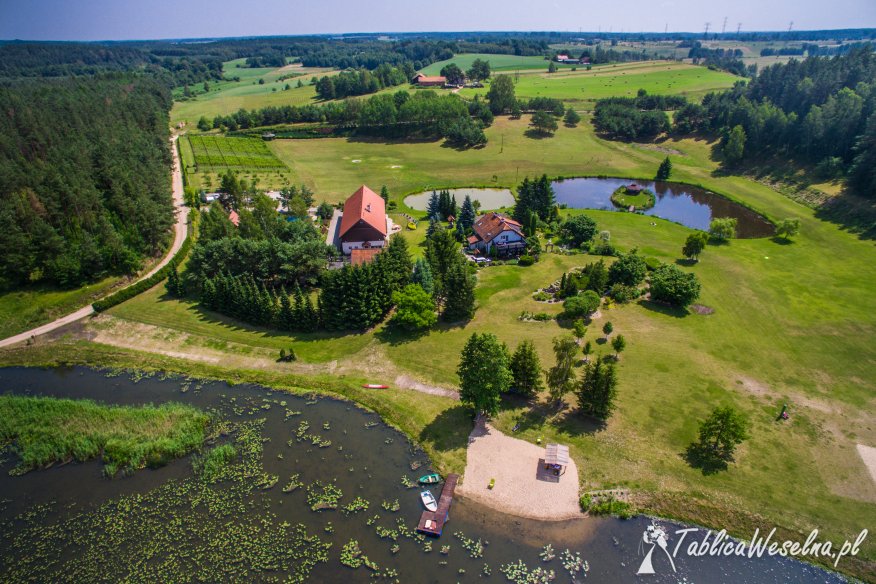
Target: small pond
490,198
689,205
70,524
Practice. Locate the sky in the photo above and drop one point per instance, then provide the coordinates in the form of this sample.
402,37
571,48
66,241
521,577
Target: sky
90,20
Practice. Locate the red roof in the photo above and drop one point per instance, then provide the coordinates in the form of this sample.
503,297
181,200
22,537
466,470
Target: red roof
367,206
492,224
234,218
421,78
364,256
634,187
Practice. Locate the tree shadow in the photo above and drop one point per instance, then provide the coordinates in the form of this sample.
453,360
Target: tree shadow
706,461
449,430
575,423
394,336
663,308
851,213
537,134
781,240
686,262
208,316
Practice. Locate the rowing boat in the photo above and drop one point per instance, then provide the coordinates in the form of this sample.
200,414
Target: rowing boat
430,479
429,501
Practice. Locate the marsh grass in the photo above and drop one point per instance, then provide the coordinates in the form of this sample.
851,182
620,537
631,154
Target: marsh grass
46,430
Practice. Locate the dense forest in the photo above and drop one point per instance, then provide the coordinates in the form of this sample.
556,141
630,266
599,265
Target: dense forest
363,81
820,111
84,177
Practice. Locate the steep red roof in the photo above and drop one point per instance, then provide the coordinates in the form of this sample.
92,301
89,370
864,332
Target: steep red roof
364,205
492,224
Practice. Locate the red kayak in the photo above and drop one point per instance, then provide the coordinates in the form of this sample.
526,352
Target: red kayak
375,386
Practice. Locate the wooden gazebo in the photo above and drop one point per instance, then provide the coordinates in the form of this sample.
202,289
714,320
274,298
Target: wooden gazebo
556,458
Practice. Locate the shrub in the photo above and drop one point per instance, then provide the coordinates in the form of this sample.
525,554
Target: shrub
623,294
670,284
630,270
541,296
525,260
603,248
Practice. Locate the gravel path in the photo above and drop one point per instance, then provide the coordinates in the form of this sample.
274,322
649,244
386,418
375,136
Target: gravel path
522,486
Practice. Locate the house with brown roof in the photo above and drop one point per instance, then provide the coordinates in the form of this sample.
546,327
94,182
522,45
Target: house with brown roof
495,230
429,81
364,223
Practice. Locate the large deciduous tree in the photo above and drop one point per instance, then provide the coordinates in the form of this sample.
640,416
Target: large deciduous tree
484,373
501,94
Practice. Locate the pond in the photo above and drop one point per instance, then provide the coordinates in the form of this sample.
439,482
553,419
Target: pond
490,198
69,523
686,204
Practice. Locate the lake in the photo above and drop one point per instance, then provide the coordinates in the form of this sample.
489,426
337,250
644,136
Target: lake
69,523
685,204
490,198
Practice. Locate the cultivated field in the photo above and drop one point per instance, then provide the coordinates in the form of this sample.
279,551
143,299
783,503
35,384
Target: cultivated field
583,87
206,157
228,96
498,63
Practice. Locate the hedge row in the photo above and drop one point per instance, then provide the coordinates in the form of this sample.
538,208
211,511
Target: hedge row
143,285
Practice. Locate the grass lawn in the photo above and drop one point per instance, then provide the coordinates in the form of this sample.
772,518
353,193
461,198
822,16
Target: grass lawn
22,310
228,96
621,80
498,63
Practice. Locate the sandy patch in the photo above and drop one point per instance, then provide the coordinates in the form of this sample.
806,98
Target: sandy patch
357,161
868,455
522,486
408,382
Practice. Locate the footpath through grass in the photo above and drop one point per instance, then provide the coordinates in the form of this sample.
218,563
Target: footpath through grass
45,430
22,310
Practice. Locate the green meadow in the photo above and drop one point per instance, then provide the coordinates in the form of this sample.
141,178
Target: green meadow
620,80
498,63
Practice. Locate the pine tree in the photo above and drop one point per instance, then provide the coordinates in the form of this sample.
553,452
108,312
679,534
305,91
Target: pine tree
173,284
532,226
665,170
561,377
442,251
454,208
524,205
467,213
433,209
526,370
598,389
423,276
396,262
310,317
384,194
443,205
285,315
459,289
460,232
208,294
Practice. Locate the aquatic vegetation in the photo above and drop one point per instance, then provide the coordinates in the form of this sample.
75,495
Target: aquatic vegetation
147,537
329,528
547,553
301,432
445,549
486,571
394,506
386,533
293,484
322,496
355,506
373,520
46,430
519,573
573,563
212,463
394,549
351,555
475,548
407,482
326,426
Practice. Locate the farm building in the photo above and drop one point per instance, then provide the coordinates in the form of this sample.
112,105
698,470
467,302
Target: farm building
634,189
429,81
567,59
497,230
364,223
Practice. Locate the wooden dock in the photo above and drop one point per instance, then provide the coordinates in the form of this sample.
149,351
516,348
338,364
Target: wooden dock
432,522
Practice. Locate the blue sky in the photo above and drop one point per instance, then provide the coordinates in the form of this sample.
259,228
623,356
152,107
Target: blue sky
150,19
